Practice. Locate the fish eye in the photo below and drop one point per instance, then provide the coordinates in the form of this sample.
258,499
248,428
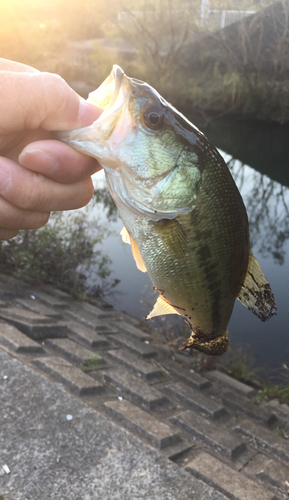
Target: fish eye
154,117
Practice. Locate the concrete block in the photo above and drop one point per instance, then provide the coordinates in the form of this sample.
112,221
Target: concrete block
227,480
74,351
137,389
16,313
51,300
34,325
264,439
270,471
237,402
86,335
155,432
91,319
136,346
195,400
189,377
235,385
218,438
138,365
177,450
125,327
73,378
15,340
37,307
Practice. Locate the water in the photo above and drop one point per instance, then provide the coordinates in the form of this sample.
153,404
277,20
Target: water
258,157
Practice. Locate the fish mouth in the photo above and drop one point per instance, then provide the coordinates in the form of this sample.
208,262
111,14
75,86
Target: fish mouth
111,94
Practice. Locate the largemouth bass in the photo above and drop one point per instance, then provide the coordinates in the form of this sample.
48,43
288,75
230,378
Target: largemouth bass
182,212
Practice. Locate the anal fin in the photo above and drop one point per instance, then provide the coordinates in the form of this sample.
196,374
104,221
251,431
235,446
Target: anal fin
127,238
256,293
161,308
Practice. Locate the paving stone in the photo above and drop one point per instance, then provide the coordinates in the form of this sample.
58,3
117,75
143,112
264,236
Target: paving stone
232,383
36,326
265,439
136,388
12,338
134,345
8,295
228,481
270,471
125,327
240,403
22,314
107,314
37,307
195,400
51,300
141,367
72,377
190,377
282,409
86,335
219,439
176,451
155,432
74,351
90,320
56,292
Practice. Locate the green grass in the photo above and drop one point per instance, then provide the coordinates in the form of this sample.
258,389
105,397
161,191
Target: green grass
239,365
274,391
91,364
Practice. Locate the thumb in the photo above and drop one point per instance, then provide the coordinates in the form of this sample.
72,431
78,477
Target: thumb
32,100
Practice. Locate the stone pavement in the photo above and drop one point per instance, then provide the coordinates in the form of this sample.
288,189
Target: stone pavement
92,407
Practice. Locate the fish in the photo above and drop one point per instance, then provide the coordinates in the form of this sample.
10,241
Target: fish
182,212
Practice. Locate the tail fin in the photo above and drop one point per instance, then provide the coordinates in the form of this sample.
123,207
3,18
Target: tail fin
256,293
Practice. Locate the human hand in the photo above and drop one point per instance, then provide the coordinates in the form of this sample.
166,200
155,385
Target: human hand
39,174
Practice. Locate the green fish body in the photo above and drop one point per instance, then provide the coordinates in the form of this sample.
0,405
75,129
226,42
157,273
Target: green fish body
181,209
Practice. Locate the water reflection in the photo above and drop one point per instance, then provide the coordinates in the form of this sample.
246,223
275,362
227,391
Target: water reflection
267,204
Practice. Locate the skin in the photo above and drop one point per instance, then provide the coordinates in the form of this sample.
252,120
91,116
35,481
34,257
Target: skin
37,173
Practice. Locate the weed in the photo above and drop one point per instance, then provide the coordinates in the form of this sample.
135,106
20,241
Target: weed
239,365
91,364
282,430
273,391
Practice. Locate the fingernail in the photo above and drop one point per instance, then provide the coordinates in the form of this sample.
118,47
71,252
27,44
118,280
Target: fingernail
88,113
5,180
33,157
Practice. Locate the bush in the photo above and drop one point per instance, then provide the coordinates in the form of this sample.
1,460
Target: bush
62,253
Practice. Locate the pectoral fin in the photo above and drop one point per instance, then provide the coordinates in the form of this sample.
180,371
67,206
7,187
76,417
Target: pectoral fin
161,307
256,293
173,237
127,238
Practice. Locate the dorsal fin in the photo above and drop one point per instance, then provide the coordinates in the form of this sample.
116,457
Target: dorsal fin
161,307
256,293
127,238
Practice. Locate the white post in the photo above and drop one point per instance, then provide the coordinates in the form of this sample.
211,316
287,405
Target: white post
223,19
205,6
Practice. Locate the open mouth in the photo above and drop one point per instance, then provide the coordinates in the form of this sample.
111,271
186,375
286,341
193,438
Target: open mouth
106,95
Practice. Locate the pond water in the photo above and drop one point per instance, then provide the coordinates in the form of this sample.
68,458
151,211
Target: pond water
258,157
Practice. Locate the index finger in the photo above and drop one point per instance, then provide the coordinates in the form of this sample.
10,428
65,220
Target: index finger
58,161
7,65
32,100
